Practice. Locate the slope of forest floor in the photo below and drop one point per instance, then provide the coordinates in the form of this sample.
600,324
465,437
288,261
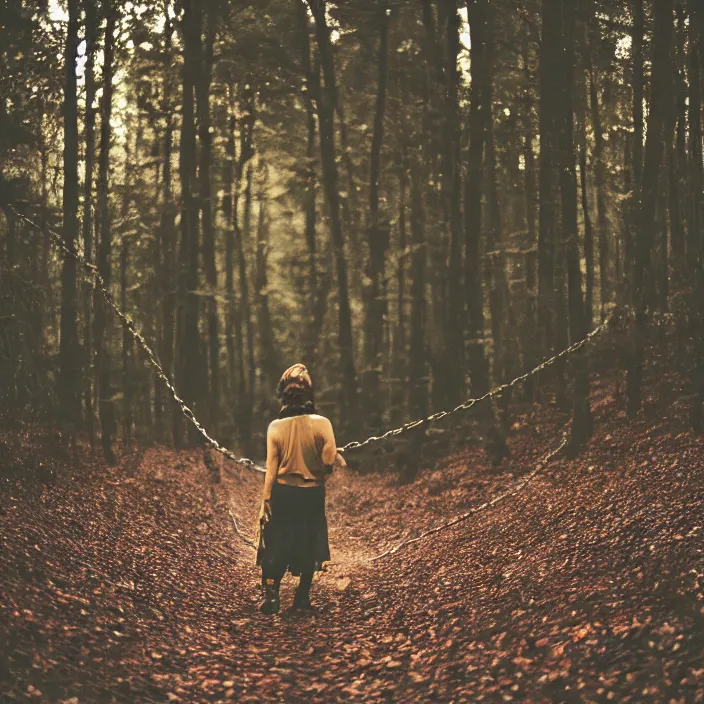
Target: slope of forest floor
129,584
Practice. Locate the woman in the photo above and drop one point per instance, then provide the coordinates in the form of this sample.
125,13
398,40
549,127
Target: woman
300,455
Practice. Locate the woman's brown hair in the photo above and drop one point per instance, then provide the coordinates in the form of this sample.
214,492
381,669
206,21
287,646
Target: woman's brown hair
295,390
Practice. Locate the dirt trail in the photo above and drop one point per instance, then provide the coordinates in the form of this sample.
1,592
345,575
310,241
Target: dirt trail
129,584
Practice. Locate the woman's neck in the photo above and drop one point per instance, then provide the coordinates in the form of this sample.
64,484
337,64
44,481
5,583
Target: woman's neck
290,410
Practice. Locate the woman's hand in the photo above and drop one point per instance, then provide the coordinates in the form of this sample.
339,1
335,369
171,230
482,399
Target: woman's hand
265,511
339,462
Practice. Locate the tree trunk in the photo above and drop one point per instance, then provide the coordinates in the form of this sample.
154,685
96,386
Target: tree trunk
45,317
204,121
588,231
378,240
600,181
311,92
551,285
677,160
581,412
531,337
503,323
268,350
696,168
243,243
102,347
550,67
326,107
126,347
644,278
69,356
167,234
454,371
474,289
696,235
350,208
637,158
91,47
417,374
239,311
187,334
128,376
228,207
399,351
438,199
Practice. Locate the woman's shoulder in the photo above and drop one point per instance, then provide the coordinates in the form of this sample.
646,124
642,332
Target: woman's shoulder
320,421
318,418
277,423
314,418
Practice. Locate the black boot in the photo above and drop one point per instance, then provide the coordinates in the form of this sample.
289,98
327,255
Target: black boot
302,598
270,602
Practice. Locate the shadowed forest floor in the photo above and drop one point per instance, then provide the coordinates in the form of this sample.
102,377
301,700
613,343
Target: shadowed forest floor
129,584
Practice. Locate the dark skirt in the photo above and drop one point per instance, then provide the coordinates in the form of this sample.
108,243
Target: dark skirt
296,536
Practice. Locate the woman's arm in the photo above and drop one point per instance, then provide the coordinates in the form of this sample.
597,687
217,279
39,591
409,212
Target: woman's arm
272,468
329,455
338,461
329,451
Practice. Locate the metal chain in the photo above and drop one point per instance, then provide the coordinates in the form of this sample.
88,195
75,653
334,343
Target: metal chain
244,461
515,489
490,394
96,279
249,542
657,318
151,356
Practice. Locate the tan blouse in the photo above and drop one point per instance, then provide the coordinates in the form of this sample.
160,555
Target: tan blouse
299,451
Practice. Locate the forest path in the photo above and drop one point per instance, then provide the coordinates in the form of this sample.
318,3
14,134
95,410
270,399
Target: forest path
128,584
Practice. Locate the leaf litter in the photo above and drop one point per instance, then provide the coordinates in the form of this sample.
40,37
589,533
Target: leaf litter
129,584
